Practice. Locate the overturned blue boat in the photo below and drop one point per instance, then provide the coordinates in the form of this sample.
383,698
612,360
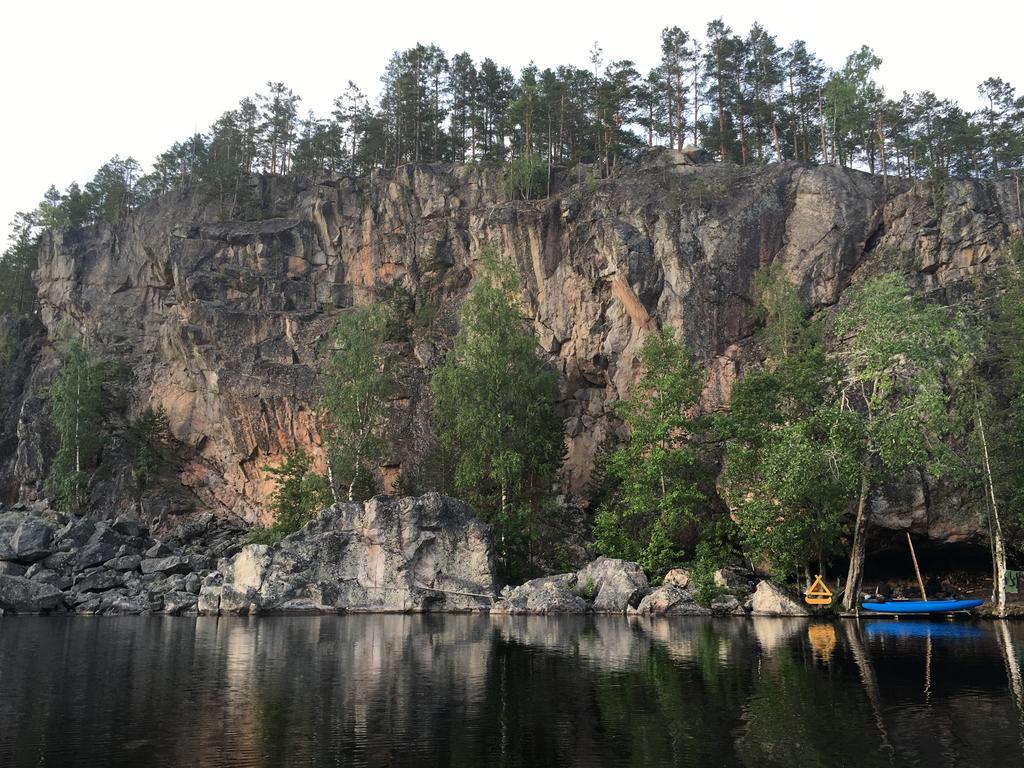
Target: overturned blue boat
918,607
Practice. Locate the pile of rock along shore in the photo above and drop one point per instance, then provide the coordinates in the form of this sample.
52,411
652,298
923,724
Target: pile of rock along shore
427,553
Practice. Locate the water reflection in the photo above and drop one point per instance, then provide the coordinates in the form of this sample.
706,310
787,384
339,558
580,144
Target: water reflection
509,691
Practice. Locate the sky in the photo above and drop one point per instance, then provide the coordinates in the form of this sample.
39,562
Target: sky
84,81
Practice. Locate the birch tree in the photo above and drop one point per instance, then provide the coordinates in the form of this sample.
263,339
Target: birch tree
360,382
899,357
75,402
494,412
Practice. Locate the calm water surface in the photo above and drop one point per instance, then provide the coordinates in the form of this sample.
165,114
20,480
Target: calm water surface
477,691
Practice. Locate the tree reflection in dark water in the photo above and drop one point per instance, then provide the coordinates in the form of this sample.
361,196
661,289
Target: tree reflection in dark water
507,691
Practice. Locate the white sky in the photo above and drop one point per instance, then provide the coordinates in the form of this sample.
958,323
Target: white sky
85,80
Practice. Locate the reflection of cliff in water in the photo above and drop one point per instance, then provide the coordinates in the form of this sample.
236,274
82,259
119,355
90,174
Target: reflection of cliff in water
466,690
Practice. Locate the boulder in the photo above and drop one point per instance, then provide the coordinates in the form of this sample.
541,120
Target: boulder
159,549
125,563
734,579
677,577
32,540
167,565
94,553
209,600
544,596
667,600
21,595
239,602
9,522
770,600
10,568
45,576
99,580
131,527
416,553
178,603
727,604
75,534
614,585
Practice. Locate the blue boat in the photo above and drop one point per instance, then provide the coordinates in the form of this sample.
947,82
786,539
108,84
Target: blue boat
919,607
944,630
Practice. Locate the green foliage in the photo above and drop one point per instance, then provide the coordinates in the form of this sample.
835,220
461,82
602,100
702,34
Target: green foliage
707,558
149,448
19,259
359,383
76,399
494,415
657,474
525,177
898,354
299,495
1001,394
790,453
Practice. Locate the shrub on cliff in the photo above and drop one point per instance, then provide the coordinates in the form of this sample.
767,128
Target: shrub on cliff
300,494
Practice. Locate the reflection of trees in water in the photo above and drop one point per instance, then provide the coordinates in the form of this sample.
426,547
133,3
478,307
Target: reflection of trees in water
530,691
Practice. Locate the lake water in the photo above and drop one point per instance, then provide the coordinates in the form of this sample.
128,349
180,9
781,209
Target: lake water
463,690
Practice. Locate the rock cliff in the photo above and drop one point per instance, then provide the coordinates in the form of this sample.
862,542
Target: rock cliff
225,323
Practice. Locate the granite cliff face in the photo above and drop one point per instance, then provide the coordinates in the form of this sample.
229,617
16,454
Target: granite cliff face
225,323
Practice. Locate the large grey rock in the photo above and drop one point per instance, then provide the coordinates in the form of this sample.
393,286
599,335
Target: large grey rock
544,596
11,568
167,565
125,563
32,539
614,584
677,577
94,553
9,522
416,553
727,604
61,581
667,600
99,580
21,595
209,600
131,527
179,603
770,600
732,578
75,534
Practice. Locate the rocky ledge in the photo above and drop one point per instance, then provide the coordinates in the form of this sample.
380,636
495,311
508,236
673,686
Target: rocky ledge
51,562
426,553
610,586
411,554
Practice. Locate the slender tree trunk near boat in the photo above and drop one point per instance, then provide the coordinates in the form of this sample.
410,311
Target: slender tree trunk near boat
917,570
855,575
998,545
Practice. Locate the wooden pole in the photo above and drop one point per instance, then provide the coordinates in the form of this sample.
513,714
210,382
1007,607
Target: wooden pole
913,555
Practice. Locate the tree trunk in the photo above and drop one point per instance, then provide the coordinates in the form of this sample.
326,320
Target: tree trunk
821,128
855,575
917,569
998,545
